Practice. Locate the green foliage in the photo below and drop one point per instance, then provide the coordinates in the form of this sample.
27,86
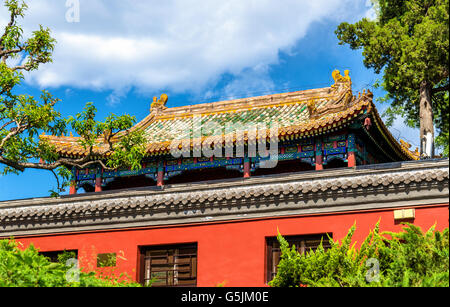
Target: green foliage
409,258
130,148
106,260
66,256
409,43
23,117
27,268
129,151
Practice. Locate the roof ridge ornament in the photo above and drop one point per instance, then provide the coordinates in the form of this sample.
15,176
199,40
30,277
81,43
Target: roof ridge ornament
312,108
406,146
338,78
160,104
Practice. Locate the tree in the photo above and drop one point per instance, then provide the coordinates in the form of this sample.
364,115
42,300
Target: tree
23,117
409,42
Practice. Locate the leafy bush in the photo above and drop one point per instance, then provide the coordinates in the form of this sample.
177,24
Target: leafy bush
405,259
27,268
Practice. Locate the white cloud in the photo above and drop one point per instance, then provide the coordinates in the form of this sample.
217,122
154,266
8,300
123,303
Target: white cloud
371,13
254,81
113,100
177,45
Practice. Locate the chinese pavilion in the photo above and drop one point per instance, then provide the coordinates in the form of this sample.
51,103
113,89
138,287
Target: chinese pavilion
317,129
189,219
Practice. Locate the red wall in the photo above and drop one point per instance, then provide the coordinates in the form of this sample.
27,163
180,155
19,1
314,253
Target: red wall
230,251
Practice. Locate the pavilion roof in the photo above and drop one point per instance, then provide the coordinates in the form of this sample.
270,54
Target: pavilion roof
299,114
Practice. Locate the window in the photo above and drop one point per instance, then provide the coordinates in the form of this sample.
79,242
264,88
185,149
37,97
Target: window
169,266
60,256
106,260
302,244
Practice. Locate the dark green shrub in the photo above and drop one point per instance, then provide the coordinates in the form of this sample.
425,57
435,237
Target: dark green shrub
27,268
407,258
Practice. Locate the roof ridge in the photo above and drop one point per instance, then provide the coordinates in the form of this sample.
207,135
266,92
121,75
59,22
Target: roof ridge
242,103
341,83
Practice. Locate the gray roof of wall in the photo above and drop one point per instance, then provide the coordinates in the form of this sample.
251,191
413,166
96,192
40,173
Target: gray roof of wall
337,190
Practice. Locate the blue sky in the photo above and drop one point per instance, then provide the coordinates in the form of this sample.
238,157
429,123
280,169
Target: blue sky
122,53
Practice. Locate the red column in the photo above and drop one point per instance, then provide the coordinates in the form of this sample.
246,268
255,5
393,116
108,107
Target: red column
160,176
247,168
73,188
98,184
73,183
318,147
351,159
351,147
319,163
160,179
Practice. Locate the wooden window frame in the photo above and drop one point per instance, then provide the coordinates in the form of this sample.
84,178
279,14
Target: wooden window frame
53,255
300,242
176,248
106,260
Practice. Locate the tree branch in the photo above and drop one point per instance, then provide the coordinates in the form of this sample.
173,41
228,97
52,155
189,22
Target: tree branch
57,181
6,53
13,132
24,67
440,89
11,22
5,125
80,163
